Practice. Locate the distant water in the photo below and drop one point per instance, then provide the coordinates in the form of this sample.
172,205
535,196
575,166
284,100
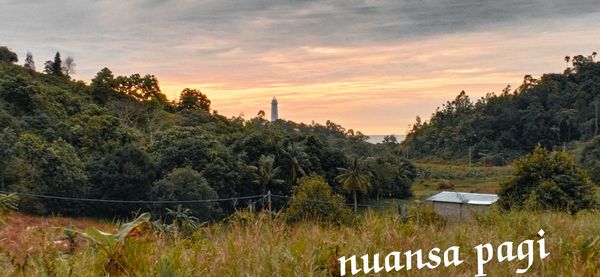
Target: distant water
379,138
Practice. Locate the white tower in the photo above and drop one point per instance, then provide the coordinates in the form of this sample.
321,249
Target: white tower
274,111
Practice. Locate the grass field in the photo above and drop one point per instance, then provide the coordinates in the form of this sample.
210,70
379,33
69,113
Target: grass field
258,246
251,244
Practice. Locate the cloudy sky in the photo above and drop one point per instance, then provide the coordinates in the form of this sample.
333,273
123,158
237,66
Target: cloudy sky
370,65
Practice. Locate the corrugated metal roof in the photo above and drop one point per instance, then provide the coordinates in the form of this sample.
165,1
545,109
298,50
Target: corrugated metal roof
464,197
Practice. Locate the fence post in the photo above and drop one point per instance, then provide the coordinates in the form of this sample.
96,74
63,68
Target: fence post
269,203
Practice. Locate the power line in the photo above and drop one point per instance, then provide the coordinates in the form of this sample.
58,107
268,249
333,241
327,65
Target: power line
132,201
329,202
235,199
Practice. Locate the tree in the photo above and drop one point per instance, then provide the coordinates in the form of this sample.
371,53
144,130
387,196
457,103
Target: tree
51,168
265,174
69,67
125,174
390,139
297,159
589,158
54,67
7,152
21,93
29,63
353,179
314,200
188,184
193,99
8,56
547,181
140,88
103,85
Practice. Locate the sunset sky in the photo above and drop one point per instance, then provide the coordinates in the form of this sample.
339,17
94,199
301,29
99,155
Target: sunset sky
368,65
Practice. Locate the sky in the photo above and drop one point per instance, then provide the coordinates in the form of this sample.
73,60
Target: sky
369,65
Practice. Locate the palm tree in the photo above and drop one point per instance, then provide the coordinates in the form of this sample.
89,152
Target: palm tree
298,159
567,59
265,174
354,178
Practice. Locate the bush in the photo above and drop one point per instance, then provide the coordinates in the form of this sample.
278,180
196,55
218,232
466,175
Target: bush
425,215
445,184
493,159
548,181
188,184
590,158
314,200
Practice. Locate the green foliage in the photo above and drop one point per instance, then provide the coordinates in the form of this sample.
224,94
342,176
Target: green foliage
551,111
54,67
265,174
183,221
8,202
590,158
354,179
7,56
193,99
391,176
112,244
425,216
51,168
313,199
188,184
126,174
119,138
548,181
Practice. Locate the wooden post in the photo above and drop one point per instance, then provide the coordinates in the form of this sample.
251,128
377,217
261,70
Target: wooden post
469,156
269,203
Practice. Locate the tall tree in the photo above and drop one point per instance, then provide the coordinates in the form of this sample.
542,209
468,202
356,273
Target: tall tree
54,67
69,67
29,63
353,179
193,99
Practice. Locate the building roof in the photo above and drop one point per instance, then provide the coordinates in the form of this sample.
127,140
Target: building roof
464,197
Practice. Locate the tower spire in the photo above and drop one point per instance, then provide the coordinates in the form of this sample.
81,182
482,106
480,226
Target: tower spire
274,110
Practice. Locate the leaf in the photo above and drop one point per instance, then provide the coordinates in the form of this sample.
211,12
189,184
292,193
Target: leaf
103,239
129,227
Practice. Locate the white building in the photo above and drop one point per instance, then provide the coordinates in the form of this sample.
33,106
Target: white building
455,206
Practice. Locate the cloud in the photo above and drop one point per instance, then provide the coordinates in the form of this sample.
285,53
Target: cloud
401,56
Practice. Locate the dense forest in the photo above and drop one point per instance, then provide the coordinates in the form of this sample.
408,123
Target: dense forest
120,138
554,111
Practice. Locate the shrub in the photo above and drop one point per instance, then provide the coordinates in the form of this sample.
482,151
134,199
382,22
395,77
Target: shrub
188,184
314,200
547,181
589,158
425,215
445,184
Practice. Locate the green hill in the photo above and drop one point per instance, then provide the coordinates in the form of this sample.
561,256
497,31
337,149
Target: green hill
556,110
120,138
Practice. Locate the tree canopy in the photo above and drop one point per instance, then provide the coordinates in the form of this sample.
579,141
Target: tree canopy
119,138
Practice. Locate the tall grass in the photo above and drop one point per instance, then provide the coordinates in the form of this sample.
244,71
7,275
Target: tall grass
260,246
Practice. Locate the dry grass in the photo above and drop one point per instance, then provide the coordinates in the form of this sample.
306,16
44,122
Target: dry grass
258,246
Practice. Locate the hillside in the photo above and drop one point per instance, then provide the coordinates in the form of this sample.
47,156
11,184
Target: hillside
555,110
120,139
